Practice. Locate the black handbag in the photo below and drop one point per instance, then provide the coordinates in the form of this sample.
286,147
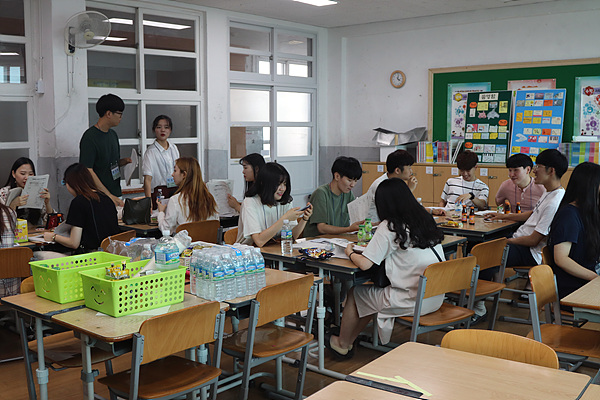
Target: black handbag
137,211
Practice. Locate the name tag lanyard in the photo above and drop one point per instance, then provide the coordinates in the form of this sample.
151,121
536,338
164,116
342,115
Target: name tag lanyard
169,179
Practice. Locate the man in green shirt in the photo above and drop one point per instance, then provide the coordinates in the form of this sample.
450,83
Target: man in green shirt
99,148
330,201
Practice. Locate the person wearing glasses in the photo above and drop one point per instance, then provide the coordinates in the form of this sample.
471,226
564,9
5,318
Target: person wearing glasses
99,148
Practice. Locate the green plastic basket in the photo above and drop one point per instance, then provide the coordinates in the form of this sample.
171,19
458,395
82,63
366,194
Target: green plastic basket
132,295
58,279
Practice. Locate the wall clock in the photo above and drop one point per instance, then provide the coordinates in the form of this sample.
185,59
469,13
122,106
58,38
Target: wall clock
397,79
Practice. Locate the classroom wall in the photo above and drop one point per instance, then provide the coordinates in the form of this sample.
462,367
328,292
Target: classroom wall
361,59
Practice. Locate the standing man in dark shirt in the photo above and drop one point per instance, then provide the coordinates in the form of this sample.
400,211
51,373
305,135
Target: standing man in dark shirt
99,148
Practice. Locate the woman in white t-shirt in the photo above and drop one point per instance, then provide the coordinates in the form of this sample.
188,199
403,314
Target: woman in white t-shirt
160,156
267,204
192,202
408,240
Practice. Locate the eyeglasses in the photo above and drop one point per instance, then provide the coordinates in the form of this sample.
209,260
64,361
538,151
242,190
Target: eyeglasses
120,113
62,182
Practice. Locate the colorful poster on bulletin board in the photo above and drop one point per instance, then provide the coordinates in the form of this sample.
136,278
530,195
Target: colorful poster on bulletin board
457,106
487,125
538,121
587,109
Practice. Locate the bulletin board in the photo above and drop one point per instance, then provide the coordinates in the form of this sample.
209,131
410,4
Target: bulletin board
538,121
564,71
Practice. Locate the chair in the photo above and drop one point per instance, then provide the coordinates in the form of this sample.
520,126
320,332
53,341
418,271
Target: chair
490,254
204,231
264,341
123,236
501,345
14,262
27,285
439,278
167,192
157,374
563,339
230,236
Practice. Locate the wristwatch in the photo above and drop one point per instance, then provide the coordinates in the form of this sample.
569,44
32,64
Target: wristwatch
472,195
54,238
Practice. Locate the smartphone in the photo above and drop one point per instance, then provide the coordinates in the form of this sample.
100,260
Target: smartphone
304,208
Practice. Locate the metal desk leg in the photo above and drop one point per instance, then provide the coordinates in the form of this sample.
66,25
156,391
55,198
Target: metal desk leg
26,356
41,371
87,375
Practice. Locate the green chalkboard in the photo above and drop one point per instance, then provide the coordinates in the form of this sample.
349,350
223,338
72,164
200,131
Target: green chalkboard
564,72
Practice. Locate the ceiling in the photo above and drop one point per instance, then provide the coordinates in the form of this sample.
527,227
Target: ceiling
355,12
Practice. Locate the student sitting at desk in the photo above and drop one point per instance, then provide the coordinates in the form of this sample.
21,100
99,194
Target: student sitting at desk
398,165
251,164
21,170
408,240
466,188
92,214
267,204
574,233
192,202
160,156
521,187
8,219
331,200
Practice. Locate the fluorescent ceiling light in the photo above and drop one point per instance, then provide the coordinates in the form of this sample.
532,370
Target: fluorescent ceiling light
156,24
318,3
10,53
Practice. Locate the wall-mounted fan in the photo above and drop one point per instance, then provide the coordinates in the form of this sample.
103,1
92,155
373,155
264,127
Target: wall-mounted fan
86,29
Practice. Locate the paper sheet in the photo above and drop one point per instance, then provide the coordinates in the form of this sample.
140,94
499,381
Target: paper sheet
13,194
358,209
220,188
129,168
33,187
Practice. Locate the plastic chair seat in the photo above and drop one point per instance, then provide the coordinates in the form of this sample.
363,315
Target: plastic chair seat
269,340
64,349
447,314
571,340
164,377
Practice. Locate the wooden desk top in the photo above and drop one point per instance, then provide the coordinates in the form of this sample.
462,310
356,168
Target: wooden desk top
110,329
455,375
31,304
480,228
347,390
591,393
587,296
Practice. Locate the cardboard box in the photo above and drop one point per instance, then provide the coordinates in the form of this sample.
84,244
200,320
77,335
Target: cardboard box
21,231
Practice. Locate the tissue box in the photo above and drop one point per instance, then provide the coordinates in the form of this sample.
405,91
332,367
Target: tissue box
21,231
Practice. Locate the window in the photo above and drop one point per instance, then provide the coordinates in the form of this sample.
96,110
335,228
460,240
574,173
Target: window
158,76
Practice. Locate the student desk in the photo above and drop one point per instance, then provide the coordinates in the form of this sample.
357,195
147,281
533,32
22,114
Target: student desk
455,375
332,267
347,390
585,301
481,231
112,334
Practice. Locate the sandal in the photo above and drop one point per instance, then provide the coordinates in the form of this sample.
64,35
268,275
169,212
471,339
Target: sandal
336,353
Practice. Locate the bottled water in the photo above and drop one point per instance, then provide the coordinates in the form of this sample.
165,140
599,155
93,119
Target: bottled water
286,239
240,274
218,277
196,279
250,266
146,253
159,196
261,280
166,253
208,268
227,263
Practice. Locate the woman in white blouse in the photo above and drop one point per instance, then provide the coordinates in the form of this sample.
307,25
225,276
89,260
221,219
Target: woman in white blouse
192,202
160,156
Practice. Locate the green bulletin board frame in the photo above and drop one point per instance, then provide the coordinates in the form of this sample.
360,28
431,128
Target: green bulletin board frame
564,71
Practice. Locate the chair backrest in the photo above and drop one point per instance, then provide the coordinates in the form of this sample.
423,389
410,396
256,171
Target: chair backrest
123,236
282,299
14,262
180,330
28,285
230,236
167,192
501,345
547,256
543,285
205,231
449,276
489,254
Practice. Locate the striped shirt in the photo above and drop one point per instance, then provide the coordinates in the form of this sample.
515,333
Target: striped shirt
9,286
457,186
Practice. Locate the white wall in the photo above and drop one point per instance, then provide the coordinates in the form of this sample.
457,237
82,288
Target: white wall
362,58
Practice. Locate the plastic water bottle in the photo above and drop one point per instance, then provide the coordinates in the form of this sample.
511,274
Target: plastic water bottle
218,277
159,196
261,280
209,287
250,266
146,253
286,239
241,285
229,275
195,276
457,209
166,253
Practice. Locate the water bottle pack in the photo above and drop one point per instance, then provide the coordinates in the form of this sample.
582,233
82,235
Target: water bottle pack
166,253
